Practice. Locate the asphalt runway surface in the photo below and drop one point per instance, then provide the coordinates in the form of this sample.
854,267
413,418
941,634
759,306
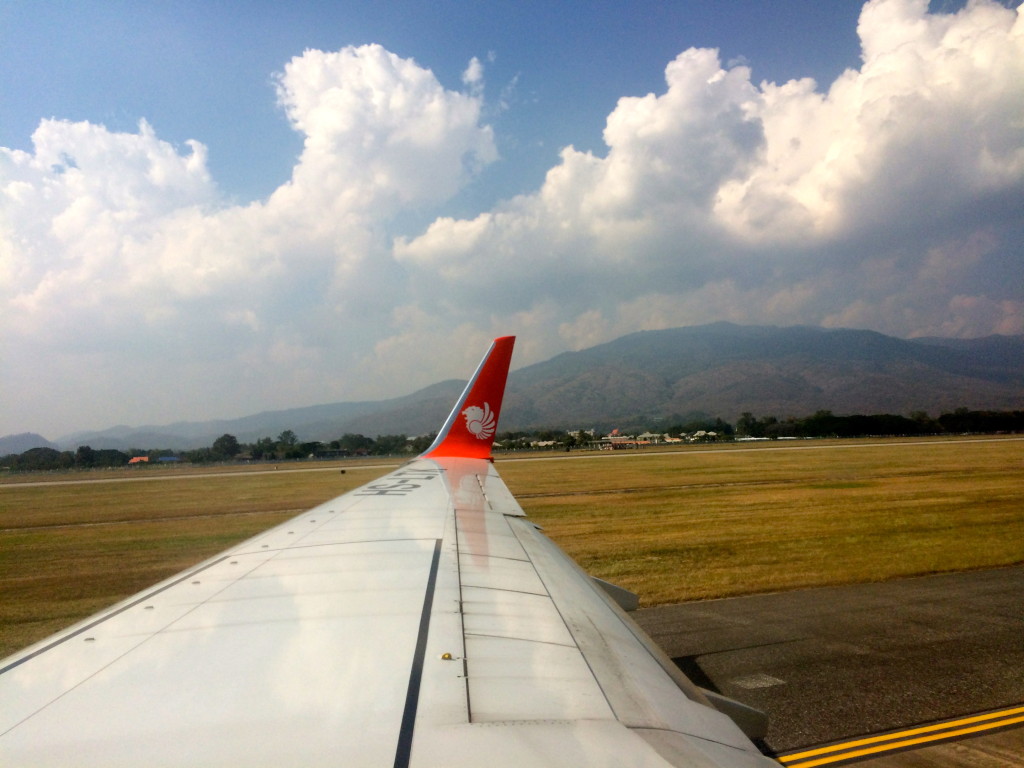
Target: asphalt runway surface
833,663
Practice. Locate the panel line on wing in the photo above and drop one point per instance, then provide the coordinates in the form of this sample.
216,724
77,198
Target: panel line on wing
510,591
494,636
462,611
112,614
353,542
404,749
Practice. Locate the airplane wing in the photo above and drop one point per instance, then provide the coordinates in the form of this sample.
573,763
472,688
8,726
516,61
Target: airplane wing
420,620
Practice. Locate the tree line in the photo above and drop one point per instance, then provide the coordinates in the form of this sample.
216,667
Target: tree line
287,446
225,448
828,424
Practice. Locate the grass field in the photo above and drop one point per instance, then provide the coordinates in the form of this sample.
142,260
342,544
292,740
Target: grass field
674,526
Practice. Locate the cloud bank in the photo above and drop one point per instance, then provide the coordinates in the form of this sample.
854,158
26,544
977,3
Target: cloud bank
132,290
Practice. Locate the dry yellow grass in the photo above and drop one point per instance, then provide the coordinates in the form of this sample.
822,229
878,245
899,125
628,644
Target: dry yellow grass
675,526
71,548
732,521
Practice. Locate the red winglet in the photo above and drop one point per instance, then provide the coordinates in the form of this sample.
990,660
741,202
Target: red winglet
470,428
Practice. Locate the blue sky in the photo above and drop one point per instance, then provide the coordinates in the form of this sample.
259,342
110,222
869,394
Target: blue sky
200,70
311,202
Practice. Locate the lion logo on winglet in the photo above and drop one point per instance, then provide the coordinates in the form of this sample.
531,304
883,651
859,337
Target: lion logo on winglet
480,421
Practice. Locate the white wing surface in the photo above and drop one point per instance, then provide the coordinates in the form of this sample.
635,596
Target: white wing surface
420,620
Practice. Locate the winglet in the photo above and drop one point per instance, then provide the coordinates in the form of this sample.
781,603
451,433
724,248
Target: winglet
470,428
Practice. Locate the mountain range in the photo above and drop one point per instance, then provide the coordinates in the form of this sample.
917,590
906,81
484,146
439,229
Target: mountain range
651,377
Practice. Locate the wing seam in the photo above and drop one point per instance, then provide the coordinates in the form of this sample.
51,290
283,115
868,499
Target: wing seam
107,616
521,639
462,613
510,591
403,751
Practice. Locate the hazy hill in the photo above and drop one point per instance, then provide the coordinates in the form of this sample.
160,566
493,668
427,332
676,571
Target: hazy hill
724,370
26,441
719,370
413,414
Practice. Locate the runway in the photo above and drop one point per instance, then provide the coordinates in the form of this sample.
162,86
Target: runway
844,663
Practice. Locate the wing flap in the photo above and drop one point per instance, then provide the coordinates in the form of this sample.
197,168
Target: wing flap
634,676
500,573
591,743
513,679
511,614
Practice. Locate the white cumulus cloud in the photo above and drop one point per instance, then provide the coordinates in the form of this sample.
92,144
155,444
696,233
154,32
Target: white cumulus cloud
888,199
122,263
723,199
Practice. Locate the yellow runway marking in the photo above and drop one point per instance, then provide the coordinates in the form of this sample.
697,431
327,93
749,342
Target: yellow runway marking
912,737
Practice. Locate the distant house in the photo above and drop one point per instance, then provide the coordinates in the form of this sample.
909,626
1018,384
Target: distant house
139,460
702,436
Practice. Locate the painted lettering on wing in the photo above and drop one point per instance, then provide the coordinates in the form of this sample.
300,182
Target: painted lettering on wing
400,483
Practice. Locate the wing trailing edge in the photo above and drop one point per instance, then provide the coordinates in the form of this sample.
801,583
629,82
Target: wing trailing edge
469,429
